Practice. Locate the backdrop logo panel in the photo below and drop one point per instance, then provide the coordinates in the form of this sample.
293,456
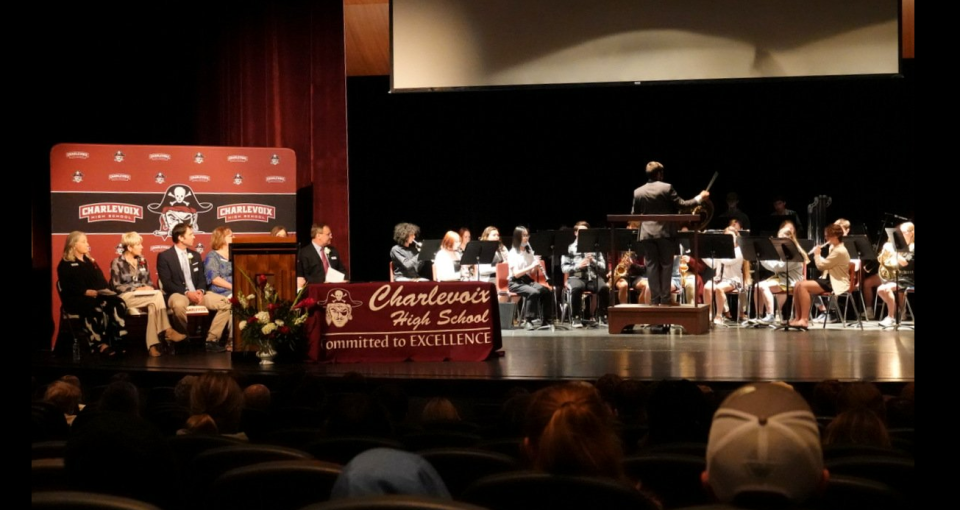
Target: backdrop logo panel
107,190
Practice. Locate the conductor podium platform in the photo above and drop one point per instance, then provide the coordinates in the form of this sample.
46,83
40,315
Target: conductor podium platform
694,319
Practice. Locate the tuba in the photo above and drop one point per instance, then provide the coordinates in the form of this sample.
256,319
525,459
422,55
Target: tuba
626,261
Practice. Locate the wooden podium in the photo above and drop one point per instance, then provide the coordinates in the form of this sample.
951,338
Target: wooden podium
275,257
694,318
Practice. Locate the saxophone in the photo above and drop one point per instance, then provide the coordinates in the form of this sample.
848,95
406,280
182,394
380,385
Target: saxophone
623,267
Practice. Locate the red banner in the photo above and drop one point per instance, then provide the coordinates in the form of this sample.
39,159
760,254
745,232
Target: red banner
389,322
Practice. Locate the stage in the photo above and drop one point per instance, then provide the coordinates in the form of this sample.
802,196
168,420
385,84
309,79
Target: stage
724,355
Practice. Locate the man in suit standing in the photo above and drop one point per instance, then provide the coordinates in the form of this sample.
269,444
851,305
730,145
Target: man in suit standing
181,274
316,258
658,239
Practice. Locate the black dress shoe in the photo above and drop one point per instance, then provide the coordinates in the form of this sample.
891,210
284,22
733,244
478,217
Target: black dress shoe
215,347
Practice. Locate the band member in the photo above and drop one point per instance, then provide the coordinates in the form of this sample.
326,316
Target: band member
631,274
780,210
658,239
785,275
835,270
727,277
488,272
446,262
405,255
896,271
524,267
587,271
318,257
129,273
182,280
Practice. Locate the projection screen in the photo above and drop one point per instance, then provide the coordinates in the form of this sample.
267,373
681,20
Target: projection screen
455,44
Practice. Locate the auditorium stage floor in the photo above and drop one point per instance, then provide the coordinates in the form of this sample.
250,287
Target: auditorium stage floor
725,354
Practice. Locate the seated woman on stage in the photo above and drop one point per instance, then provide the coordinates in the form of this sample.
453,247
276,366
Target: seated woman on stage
447,261
217,266
405,256
488,272
835,270
278,231
727,277
524,267
130,276
84,292
784,275
898,268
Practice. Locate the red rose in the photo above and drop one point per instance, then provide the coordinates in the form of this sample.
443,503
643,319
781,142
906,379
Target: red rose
261,280
306,303
284,330
252,320
234,301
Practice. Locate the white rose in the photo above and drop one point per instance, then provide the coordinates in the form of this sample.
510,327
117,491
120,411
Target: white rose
263,317
279,323
269,328
243,324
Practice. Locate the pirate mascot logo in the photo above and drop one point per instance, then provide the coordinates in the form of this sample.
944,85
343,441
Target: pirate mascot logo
178,205
339,307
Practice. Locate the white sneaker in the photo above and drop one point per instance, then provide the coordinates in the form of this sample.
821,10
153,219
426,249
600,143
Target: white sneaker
767,319
577,324
887,322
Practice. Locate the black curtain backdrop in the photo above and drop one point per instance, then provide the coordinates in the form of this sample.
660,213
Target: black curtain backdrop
538,157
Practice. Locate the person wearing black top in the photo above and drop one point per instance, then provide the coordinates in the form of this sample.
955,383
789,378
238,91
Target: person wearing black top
84,291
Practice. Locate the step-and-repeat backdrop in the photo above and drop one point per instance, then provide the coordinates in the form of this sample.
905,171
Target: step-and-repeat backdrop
107,190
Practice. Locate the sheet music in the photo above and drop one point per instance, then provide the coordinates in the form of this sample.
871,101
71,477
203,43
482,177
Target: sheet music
334,276
150,292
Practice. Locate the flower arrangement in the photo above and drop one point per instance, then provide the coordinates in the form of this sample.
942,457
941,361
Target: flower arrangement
266,320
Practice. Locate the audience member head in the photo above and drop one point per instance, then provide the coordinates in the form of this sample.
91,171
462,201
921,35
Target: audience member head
75,246
908,390
899,413
824,398
74,380
388,471
392,397
200,424
858,426
630,399
677,411
606,386
358,414
439,410
219,395
256,396
405,233
513,414
123,455
120,397
569,431
861,394
63,395
181,391
764,449
278,231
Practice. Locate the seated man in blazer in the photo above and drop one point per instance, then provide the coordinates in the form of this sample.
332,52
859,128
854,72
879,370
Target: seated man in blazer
315,258
182,278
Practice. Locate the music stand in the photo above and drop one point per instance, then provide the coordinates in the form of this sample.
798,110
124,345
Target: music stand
428,251
788,253
860,246
756,249
899,245
479,252
718,246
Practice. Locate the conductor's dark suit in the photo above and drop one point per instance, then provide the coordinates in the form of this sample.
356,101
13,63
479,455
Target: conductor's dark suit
656,238
310,267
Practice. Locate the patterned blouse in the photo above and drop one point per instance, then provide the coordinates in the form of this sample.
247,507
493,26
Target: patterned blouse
124,277
216,265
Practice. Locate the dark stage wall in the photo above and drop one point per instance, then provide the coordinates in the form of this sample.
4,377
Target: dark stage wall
541,157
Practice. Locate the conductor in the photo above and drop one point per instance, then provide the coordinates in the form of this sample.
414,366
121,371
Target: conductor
658,239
